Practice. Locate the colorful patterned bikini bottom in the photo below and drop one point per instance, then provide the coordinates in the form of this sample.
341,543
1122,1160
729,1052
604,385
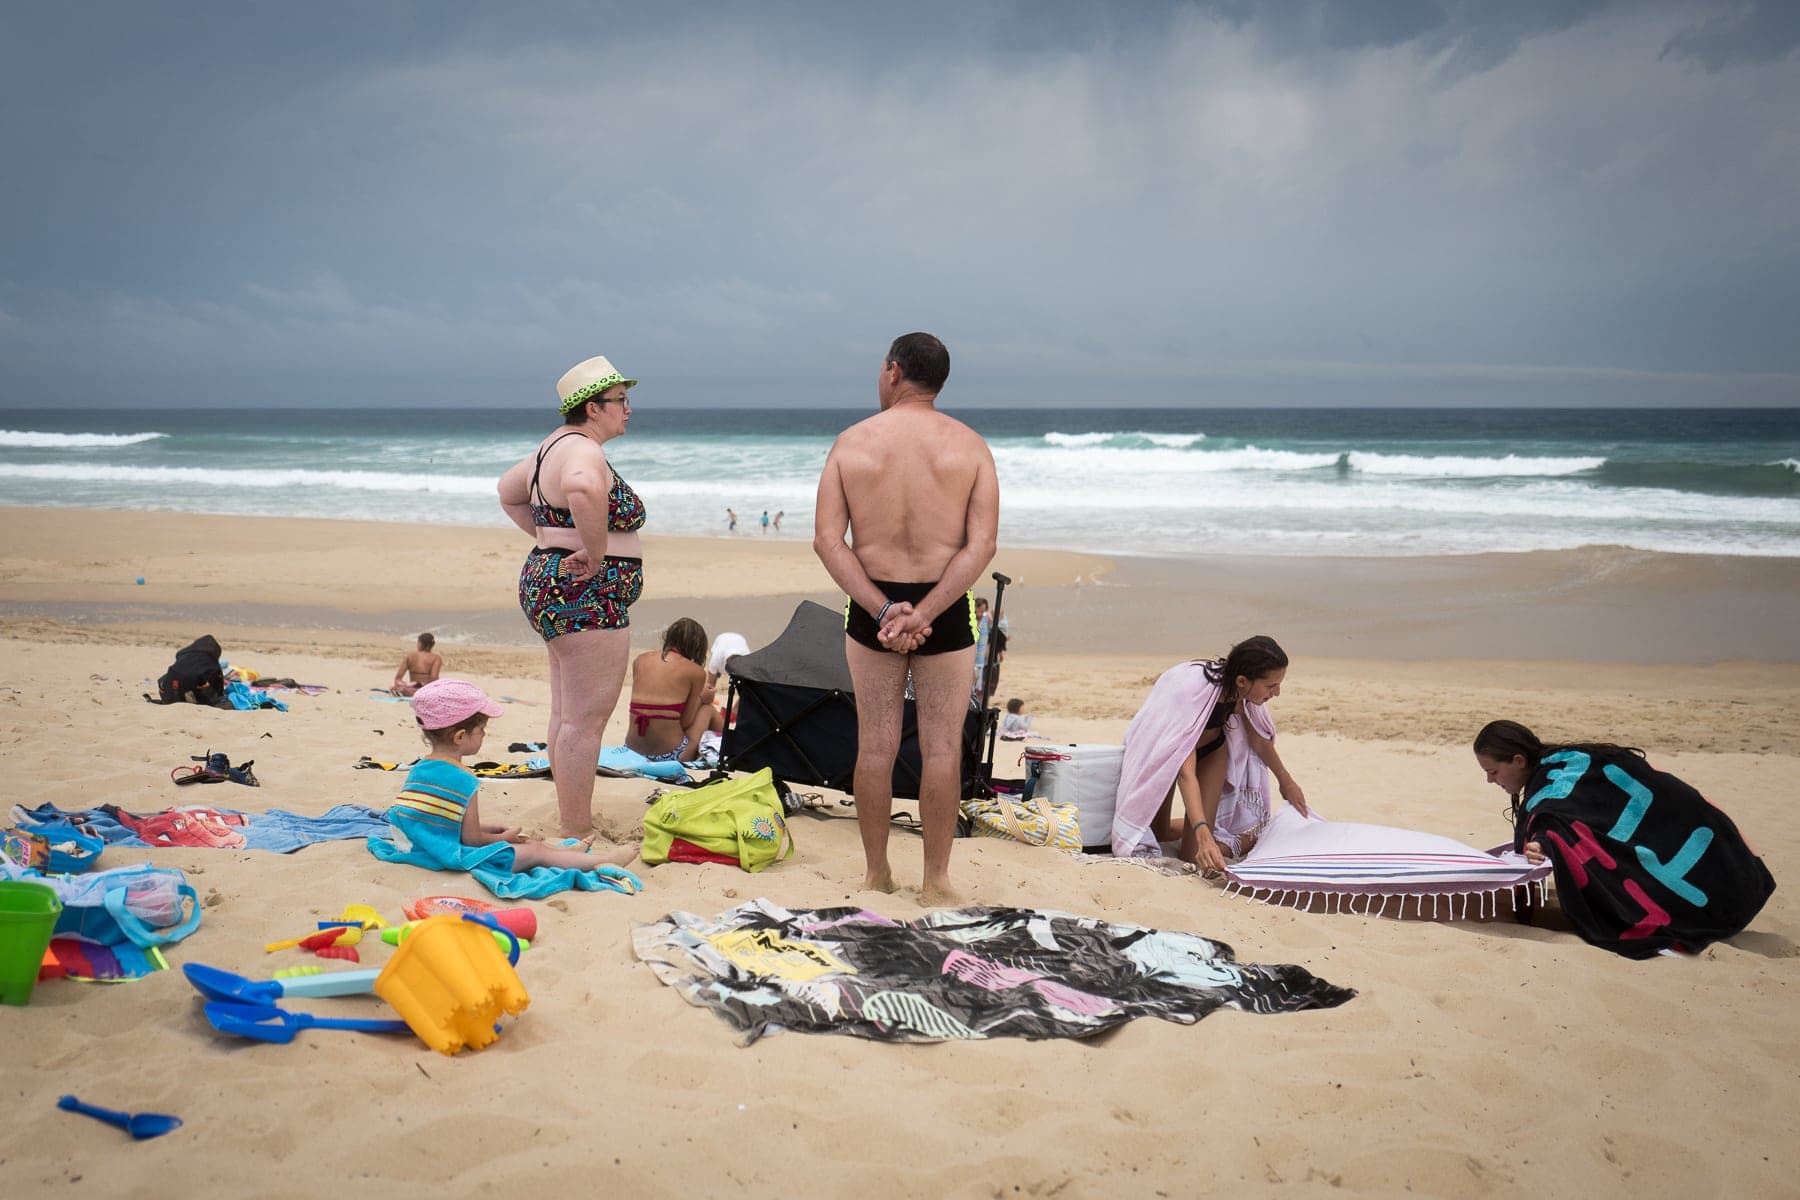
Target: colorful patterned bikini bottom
556,604
678,754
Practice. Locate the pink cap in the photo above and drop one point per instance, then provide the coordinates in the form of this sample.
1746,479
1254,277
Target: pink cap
446,702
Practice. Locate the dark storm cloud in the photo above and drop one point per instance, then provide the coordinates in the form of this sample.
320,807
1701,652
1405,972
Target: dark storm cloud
1762,31
1187,201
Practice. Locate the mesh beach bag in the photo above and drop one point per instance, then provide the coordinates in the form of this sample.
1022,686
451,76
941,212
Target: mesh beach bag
142,904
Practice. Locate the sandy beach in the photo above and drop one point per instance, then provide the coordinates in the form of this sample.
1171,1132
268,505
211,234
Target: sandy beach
1478,1058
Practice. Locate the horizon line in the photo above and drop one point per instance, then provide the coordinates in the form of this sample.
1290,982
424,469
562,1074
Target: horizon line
419,406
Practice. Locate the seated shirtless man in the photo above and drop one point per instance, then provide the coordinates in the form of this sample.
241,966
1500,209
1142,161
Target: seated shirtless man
916,492
422,665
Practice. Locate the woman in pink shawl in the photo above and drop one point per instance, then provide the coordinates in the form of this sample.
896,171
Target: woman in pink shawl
1204,733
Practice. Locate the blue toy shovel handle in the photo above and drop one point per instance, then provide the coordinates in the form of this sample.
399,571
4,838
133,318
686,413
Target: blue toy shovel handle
365,1024
512,955
215,983
334,983
110,1116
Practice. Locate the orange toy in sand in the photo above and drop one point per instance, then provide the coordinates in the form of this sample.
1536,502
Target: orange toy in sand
521,921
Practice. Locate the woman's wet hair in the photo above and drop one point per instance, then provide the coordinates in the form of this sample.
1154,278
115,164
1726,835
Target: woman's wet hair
427,641
1253,658
686,637
1502,740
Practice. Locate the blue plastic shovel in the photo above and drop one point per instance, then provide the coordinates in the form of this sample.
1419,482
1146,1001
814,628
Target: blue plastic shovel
267,1023
138,1125
217,984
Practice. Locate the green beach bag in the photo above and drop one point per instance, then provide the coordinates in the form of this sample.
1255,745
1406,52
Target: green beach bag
737,821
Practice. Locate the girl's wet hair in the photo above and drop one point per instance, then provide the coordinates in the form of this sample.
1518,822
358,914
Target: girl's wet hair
1252,658
1502,741
686,637
1015,705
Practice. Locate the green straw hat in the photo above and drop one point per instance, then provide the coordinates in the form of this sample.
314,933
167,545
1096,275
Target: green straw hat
585,380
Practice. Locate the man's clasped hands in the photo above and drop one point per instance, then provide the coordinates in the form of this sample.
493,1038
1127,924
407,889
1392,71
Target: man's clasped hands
903,628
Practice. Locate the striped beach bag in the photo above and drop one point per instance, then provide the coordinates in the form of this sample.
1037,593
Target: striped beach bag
1036,822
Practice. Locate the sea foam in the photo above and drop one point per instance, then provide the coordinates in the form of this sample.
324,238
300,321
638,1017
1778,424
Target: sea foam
29,439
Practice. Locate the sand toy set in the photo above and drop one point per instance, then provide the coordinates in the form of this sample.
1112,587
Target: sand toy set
449,980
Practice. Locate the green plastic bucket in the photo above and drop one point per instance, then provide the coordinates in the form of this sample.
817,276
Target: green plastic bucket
28,913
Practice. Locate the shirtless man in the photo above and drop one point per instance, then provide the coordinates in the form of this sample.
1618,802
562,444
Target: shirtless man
421,664
918,489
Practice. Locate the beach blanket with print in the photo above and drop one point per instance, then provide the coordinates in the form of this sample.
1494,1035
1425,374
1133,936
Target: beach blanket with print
204,826
957,974
1643,863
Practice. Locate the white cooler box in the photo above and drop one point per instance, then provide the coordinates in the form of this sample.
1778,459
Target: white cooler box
1086,776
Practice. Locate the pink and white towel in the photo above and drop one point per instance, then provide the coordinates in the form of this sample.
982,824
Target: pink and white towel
1160,738
1370,868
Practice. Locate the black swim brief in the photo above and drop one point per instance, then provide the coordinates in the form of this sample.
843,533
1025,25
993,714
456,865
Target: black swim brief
952,629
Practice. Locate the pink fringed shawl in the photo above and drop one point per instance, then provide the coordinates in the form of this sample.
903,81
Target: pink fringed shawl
1372,868
1157,741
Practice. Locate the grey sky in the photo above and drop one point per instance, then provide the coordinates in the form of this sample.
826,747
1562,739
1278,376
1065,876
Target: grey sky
1227,203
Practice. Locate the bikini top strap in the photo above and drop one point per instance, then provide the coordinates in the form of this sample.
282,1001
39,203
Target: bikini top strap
537,470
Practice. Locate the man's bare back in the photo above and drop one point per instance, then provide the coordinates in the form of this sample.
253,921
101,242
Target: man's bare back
909,476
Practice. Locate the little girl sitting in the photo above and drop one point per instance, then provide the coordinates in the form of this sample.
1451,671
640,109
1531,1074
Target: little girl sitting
435,821
1015,726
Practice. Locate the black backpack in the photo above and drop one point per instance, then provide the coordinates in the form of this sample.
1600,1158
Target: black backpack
195,676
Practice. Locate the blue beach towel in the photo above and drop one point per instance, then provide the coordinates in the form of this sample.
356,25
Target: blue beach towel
625,759
245,698
435,845
539,882
425,830
208,826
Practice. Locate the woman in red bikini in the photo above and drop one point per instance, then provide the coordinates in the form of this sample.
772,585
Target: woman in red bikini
670,704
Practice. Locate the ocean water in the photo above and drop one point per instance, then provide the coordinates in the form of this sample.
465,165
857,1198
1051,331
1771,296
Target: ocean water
1167,482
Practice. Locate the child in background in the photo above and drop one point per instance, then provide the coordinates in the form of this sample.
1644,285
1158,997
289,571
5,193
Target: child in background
422,664
1015,726
435,821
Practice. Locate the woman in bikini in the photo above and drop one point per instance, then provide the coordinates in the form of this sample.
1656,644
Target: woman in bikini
580,580
1204,740
670,704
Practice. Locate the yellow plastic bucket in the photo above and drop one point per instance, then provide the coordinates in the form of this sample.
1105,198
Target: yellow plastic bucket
28,913
450,983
